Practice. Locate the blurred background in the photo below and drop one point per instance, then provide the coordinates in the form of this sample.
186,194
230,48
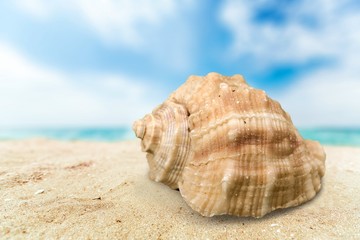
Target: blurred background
87,69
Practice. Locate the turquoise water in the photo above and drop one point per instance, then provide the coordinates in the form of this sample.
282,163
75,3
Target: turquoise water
328,136
92,134
333,136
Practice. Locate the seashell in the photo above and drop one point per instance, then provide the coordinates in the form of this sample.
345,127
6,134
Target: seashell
229,149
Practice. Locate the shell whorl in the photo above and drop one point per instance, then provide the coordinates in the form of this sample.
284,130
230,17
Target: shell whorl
230,149
139,128
148,130
166,140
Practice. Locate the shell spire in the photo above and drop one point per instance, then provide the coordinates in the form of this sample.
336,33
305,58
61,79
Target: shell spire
166,140
139,128
230,149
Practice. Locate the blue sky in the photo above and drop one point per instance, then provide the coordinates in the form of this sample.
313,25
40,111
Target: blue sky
106,63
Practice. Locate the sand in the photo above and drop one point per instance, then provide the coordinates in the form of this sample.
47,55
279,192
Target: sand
91,190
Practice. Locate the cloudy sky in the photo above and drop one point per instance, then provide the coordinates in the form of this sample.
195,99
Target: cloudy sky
105,63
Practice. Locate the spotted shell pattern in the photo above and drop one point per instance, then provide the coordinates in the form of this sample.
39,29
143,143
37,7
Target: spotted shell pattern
229,149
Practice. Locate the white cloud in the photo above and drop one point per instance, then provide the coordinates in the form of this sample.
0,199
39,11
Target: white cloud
324,98
329,96
125,21
121,21
32,95
160,29
292,41
37,8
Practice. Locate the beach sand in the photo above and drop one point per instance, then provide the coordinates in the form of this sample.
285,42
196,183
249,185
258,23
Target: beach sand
91,190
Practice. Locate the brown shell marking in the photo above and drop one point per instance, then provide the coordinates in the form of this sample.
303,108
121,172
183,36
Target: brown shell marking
230,149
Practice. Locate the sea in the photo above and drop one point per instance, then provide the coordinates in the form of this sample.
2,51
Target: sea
326,136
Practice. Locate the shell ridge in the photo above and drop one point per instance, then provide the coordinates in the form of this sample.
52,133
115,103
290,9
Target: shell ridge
203,131
182,153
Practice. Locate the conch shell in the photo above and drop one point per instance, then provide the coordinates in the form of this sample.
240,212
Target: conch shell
229,149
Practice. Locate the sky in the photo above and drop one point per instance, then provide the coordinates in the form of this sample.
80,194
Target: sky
105,63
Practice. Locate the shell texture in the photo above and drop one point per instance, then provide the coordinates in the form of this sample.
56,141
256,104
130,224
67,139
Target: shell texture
229,149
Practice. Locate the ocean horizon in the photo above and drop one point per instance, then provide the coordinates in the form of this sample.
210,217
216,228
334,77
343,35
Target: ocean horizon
326,136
